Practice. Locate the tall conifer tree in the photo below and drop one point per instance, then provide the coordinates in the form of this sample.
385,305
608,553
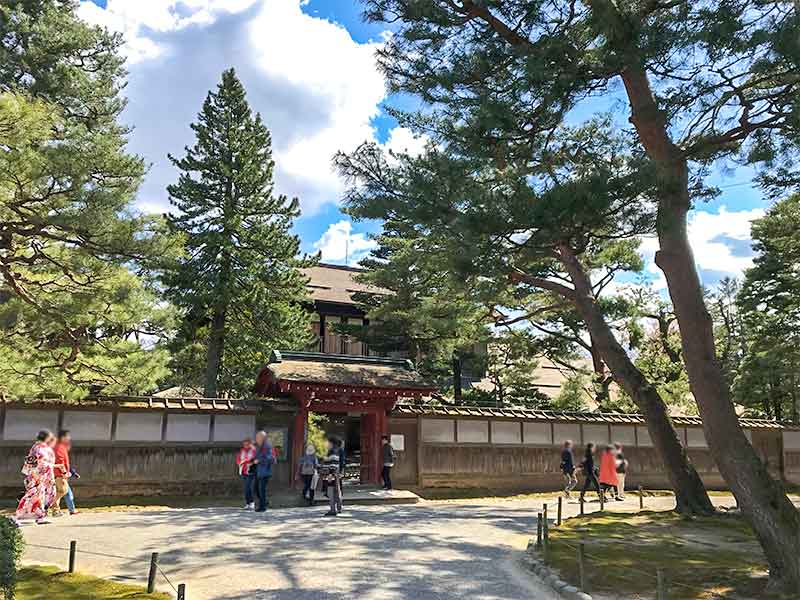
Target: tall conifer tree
239,279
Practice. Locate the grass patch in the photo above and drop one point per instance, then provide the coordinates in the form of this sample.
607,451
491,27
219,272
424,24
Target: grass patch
36,583
703,557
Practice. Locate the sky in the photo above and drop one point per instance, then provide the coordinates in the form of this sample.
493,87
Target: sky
308,67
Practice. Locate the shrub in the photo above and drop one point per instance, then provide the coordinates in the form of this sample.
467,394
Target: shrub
11,544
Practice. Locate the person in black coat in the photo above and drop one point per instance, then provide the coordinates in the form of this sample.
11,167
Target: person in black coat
589,471
568,468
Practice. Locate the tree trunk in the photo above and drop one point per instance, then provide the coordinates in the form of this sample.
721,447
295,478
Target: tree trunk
216,343
690,493
456,378
762,499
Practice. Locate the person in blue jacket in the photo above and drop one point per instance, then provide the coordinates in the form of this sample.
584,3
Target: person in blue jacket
264,460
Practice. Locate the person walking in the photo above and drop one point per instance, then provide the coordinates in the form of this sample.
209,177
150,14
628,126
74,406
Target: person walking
568,468
608,470
330,473
622,469
63,472
308,469
264,459
40,487
247,471
589,471
388,462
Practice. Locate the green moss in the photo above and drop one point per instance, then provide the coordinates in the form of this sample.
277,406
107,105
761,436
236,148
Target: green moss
701,557
36,583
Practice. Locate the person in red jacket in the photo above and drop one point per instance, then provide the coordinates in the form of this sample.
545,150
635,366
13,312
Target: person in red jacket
63,471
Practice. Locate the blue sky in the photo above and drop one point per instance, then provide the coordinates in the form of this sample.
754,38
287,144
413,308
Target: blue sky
309,69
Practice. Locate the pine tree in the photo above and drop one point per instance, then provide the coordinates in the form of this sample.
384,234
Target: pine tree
71,245
700,81
563,227
239,280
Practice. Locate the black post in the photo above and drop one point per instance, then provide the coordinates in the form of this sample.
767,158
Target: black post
558,519
151,578
641,498
661,593
584,584
581,501
539,530
181,591
602,500
73,549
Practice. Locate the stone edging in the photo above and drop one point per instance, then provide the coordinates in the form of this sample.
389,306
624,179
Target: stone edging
549,576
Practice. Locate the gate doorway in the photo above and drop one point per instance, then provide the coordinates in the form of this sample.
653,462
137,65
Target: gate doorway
359,433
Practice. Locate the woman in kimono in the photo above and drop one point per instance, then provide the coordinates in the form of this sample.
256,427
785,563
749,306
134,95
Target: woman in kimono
40,484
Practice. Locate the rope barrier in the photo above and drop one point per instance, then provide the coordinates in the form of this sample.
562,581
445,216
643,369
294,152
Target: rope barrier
114,556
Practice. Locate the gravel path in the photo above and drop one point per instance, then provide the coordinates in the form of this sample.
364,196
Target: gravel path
437,551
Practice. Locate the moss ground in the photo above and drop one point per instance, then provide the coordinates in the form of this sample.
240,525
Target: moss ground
703,558
36,583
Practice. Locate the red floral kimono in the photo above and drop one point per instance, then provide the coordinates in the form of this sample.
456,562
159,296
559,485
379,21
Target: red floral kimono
40,485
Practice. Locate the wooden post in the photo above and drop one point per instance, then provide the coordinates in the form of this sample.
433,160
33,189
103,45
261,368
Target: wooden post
661,593
641,498
584,584
539,530
544,522
181,591
73,549
151,577
602,500
581,501
558,515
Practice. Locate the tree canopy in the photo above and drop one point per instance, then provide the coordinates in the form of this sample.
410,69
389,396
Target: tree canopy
238,283
71,245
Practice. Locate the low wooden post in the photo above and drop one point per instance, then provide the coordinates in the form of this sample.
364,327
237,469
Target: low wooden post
584,584
661,593
602,500
73,550
558,515
641,498
539,530
151,577
181,591
581,502
545,524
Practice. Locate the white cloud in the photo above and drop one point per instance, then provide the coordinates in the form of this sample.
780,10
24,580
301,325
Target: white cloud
402,140
720,242
316,88
340,245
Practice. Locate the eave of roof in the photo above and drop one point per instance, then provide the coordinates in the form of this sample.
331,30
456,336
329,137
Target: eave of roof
314,368
561,416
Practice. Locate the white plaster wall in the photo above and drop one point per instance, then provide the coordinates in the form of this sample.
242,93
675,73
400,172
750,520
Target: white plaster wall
644,436
506,432
234,428
624,434
187,428
473,432
438,430
566,431
25,424
139,427
88,426
595,433
536,433
791,440
695,438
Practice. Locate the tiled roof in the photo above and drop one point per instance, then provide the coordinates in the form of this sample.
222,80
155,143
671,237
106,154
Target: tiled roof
336,283
530,414
345,370
144,403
